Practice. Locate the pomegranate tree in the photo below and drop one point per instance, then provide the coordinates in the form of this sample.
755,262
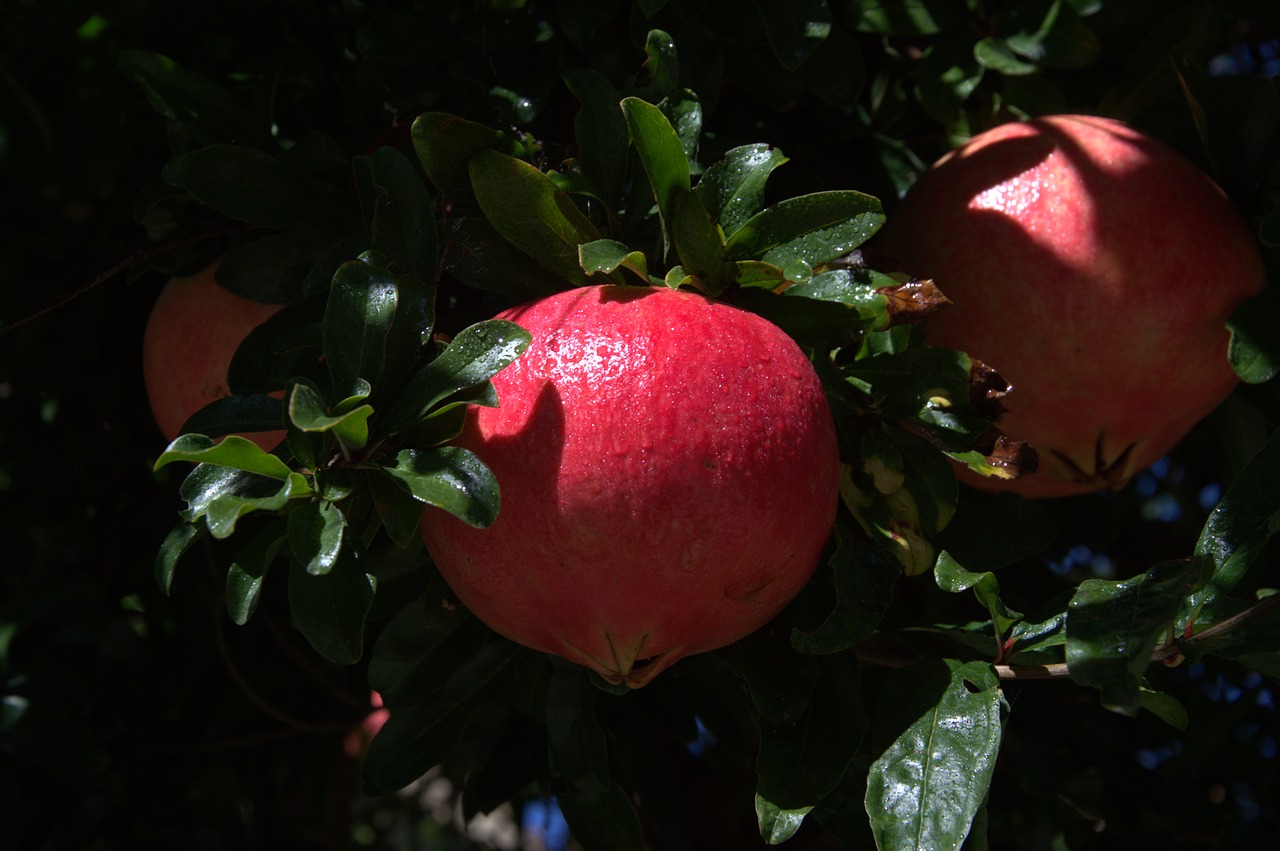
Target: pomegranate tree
669,476
1095,268
192,334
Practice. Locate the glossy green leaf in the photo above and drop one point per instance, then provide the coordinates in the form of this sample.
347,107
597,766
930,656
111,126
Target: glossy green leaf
800,763
1164,706
814,228
398,212
732,189
1237,529
662,63
329,608
531,212
449,478
953,578
1113,627
1038,637
316,530
795,29
233,451
363,298
941,723
249,568
445,145
173,547
600,130
251,186
236,415
684,112
608,255
398,509
420,736
180,94
474,356
309,413
864,580
1055,38
662,156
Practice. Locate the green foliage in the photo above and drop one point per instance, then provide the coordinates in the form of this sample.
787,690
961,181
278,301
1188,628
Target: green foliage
393,177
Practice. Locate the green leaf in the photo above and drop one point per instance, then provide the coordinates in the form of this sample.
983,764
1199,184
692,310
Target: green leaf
222,495
780,683
193,99
662,156
398,213
232,451
1164,706
947,74
309,413
942,723
420,736
450,478
531,212
600,129
251,186
249,569
1237,529
474,356
1254,350
800,763
237,415
813,229
864,580
1113,627
916,380
795,29
357,320
996,54
329,608
954,579
661,64
909,17
316,531
1059,39
173,547
398,509
836,71
732,190
822,325
607,256
445,145
482,259
699,243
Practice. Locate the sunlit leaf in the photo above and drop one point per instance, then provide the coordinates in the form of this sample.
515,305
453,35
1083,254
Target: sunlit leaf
941,722
363,298
233,451
175,545
449,478
733,189
662,156
814,228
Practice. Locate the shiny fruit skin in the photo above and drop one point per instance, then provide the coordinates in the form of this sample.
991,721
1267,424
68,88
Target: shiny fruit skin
669,476
1094,267
192,333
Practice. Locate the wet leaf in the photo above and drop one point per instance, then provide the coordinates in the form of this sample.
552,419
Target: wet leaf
175,545
309,413
249,569
1113,627
363,298
316,530
953,578
1254,350
233,451
732,190
814,228
608,255
699,243
942,722
1237,529
449,478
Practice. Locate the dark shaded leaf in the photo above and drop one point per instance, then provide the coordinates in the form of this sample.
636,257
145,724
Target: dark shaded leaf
237,415
578,753
329,608
183,95
250,186
602,821
249,569
445,145
316,531
1254,350
953,578
363,298
795,29
398,212
699,243
173,547
269,269
864,580
600,130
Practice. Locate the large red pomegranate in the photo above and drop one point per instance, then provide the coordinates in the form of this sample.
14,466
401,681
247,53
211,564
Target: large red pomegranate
191,335
669,476
1094,267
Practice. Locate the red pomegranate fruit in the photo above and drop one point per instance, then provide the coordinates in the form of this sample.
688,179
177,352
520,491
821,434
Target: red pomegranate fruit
669,476
193,331
1095,268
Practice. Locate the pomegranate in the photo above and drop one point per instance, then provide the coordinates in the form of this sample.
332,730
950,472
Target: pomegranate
1095,268
191,335
669,476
